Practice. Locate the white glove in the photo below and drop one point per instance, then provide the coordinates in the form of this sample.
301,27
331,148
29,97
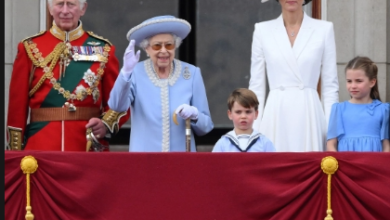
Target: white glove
130,60
186,111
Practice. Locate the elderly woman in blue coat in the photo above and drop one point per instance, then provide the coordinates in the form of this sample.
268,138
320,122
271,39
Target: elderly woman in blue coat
159,87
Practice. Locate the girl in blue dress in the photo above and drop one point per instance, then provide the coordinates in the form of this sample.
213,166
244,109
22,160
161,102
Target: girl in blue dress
361,123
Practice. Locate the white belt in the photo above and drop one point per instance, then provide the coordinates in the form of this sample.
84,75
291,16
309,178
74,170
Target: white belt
300,86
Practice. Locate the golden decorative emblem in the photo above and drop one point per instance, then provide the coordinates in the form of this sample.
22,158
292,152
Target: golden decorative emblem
329,165
29,164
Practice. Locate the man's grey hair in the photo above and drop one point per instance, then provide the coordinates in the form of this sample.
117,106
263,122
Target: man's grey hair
145,42
50,2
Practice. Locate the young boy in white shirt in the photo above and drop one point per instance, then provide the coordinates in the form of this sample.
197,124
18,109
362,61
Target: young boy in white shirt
243,110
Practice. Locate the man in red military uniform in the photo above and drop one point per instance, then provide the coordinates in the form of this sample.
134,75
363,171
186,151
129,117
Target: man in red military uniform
61,81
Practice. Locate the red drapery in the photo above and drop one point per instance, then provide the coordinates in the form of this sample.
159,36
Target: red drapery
197,186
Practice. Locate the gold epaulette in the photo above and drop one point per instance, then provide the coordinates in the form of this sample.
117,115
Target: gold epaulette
35,35
15,138
99,37
111,120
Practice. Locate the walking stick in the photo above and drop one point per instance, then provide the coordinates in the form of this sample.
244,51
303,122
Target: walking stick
188,131
188,135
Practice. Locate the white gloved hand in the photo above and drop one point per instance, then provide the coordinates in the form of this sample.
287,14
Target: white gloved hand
186,111
130,60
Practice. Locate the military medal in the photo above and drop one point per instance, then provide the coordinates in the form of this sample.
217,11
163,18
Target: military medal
89,53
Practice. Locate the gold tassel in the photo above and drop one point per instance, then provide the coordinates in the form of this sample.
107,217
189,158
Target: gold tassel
65,65
329,165
61,64
28,165
66,56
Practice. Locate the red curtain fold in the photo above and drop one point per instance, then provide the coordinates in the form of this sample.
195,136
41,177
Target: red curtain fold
198,186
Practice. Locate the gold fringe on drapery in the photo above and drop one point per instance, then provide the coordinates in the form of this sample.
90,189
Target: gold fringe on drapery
28,165
329,165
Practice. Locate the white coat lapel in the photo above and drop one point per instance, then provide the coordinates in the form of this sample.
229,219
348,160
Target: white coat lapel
284,46
303,36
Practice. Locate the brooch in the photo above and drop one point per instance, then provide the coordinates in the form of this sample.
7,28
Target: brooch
187,73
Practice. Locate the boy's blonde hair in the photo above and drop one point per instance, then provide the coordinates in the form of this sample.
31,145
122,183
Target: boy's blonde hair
244,97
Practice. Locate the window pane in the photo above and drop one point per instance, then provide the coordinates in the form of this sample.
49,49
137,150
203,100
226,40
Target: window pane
223,39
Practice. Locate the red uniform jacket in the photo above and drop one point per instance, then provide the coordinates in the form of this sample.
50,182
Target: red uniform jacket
36,85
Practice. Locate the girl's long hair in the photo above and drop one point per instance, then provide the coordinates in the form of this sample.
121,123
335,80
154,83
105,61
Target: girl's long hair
371,70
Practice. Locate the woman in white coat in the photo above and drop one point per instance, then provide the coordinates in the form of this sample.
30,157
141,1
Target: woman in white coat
294,52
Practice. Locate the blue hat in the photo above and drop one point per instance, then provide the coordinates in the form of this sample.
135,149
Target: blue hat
159,25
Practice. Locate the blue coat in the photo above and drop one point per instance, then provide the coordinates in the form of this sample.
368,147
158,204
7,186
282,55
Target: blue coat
153,101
